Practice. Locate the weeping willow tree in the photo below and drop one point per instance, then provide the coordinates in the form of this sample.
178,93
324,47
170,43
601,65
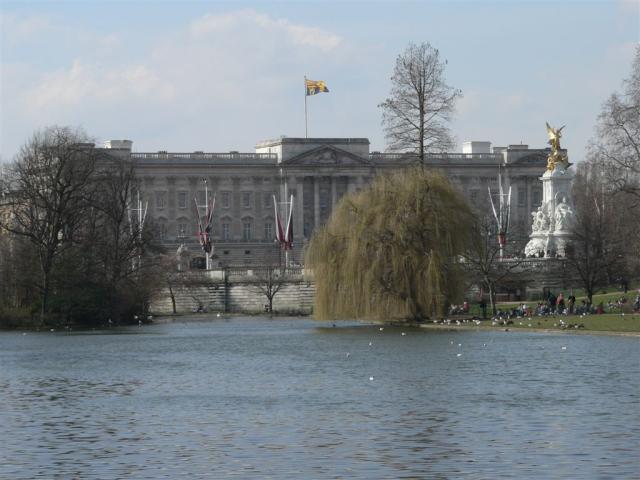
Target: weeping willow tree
392,250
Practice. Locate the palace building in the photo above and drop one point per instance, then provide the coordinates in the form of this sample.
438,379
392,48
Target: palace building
317,172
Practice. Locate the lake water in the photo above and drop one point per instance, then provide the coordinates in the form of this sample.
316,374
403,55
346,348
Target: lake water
294,398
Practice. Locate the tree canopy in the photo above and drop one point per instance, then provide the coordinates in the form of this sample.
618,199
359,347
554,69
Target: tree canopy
617,144
66,232
392,250
420,104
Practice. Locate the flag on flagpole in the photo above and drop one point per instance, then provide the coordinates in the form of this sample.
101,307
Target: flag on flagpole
279,229
288,238
205,230
284,236
315,86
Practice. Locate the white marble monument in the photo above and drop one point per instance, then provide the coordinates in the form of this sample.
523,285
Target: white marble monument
552,221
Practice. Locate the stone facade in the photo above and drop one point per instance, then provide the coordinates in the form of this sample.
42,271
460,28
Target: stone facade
317,172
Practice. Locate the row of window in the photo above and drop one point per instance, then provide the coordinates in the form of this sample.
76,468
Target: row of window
183,231
224,199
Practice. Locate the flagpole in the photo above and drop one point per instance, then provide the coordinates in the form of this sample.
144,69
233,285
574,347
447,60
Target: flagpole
306,132
206,202
286,189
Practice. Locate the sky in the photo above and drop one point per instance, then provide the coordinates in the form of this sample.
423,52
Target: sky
221,76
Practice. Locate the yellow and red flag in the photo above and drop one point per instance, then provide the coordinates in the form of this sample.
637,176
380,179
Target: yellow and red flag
315,86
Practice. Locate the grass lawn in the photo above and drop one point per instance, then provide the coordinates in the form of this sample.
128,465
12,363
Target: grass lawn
608,322
605,298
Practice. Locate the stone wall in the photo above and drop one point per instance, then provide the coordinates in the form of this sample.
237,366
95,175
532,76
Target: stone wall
235,292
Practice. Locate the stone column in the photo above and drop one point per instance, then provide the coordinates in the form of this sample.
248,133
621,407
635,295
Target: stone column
291,186
334,193
529,208
298,214
316,201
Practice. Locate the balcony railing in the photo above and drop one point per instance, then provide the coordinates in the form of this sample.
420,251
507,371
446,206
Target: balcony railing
204,156
436,157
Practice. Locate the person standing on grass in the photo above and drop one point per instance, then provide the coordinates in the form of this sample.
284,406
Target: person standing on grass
571,301
560,303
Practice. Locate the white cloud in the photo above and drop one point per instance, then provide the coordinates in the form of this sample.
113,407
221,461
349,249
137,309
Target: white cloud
219,79
251,19
17,27
218,58
92,83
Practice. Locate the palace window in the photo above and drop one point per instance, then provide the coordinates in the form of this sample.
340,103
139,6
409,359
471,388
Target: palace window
522,196
181,230
267,200
226,199
246,230
246,199
306,229
268,231
226,231
324,194
200,195
162,231
161,200
537,197
182,199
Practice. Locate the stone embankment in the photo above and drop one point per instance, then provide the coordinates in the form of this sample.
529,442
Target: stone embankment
237,291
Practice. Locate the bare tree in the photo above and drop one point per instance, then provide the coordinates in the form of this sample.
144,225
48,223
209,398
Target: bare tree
420,104
597,250
119,241
482,259
269,281
50,187
618,143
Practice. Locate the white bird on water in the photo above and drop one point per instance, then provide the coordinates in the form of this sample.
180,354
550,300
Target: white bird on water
403,334
370,343
564,348
381,328
371,379
459,355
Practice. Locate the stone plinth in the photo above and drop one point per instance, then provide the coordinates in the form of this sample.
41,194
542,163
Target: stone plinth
553,219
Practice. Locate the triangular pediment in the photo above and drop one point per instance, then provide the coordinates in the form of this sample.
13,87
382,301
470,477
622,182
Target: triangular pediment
327,155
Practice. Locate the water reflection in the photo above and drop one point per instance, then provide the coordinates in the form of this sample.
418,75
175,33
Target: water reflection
282,399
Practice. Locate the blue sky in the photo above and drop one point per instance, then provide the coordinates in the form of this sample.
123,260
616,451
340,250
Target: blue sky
220,76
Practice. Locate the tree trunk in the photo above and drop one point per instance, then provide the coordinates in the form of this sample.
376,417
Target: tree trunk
173,299
45,296
492,299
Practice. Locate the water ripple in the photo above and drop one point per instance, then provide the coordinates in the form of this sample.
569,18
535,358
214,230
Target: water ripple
282,399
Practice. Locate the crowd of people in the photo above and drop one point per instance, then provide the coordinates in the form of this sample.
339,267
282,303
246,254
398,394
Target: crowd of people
554,305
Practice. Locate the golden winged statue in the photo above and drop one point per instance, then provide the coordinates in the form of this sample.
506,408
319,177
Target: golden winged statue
556,156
